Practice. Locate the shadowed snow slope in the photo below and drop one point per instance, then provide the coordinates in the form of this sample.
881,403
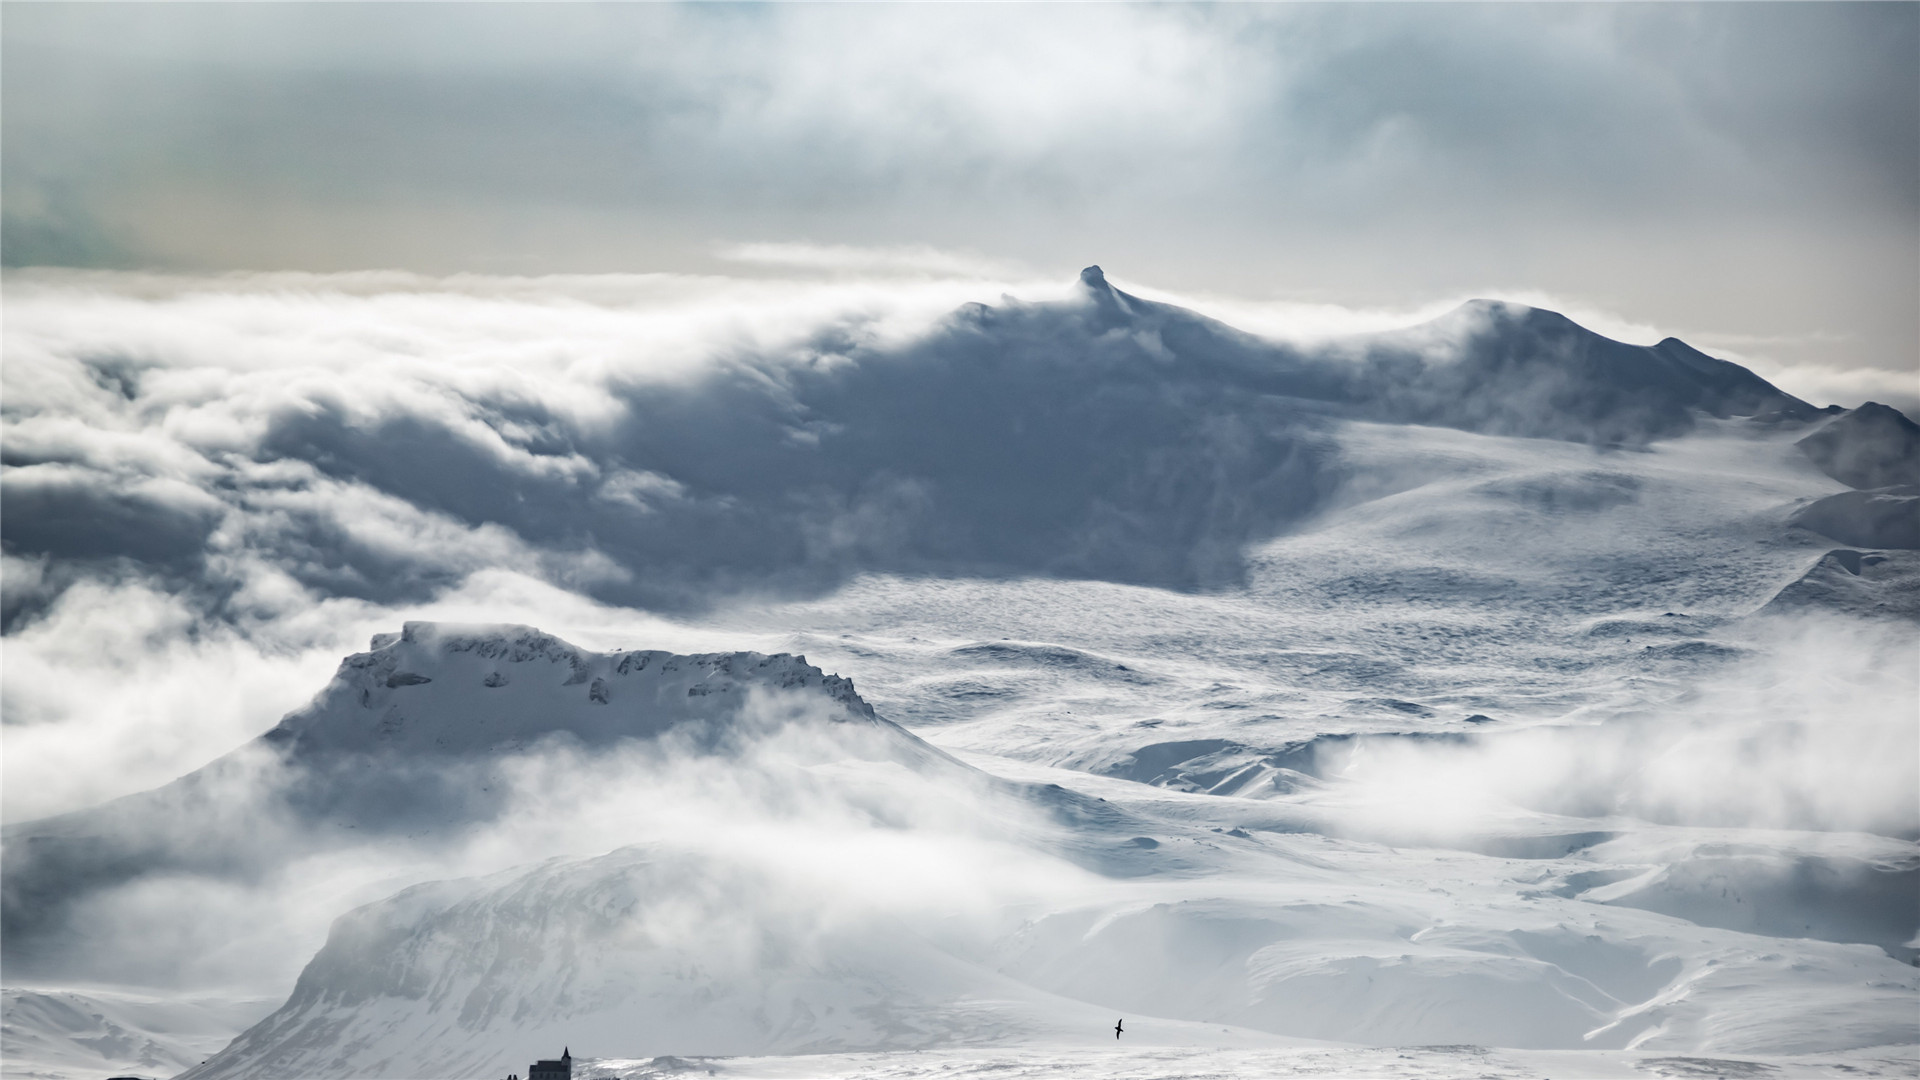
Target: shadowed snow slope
1509,369
1877,450
1104,437
1872,446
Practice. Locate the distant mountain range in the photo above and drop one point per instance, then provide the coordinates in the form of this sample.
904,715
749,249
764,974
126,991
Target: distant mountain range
1488,366
1104,436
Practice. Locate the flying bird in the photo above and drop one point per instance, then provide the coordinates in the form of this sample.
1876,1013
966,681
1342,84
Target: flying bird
1116,1027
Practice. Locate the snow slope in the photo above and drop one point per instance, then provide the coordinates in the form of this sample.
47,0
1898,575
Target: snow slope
1276,914
1155,1063
101,1033
637,948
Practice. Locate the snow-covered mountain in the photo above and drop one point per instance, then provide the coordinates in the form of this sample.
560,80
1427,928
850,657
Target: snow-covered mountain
1102,437
1488,366
66,1033
409,745
1872,446
636,955
1486,682
1877,450
1533,927
638,949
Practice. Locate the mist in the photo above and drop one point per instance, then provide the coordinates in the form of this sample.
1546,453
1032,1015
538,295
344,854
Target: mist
1815,732
809,812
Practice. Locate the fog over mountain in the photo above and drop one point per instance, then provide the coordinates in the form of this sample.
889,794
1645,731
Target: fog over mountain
1101,436
412,677
1742,175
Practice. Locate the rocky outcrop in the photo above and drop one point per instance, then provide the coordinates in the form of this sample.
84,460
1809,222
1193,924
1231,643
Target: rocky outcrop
447,689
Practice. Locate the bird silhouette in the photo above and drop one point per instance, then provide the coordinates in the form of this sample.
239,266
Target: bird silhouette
1116,1028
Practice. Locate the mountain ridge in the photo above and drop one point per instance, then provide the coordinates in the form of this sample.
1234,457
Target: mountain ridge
1495,339
1101,437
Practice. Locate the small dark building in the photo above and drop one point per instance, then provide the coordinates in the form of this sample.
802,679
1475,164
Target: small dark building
553,1070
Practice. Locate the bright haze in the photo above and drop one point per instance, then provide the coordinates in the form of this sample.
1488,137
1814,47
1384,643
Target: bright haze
845,540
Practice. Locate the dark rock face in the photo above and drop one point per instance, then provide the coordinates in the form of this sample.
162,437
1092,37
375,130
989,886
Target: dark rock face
1871,447
1883,518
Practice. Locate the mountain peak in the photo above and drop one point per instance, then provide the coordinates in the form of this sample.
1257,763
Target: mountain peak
452,688
1510,312
1113,306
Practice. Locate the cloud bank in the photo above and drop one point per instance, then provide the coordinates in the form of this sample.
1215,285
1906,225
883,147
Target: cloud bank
1722,169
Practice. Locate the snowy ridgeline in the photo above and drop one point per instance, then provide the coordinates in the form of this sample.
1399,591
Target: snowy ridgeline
498,689
63,1033
1875,450
1104,437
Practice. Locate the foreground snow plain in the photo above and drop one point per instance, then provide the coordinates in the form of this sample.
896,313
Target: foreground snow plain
1509,747
1165,1063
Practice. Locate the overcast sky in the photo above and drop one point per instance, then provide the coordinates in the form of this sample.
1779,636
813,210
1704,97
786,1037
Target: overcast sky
1747,176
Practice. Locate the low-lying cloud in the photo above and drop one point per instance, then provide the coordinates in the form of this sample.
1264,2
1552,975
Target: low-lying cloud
250,864
252,445
1816,731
